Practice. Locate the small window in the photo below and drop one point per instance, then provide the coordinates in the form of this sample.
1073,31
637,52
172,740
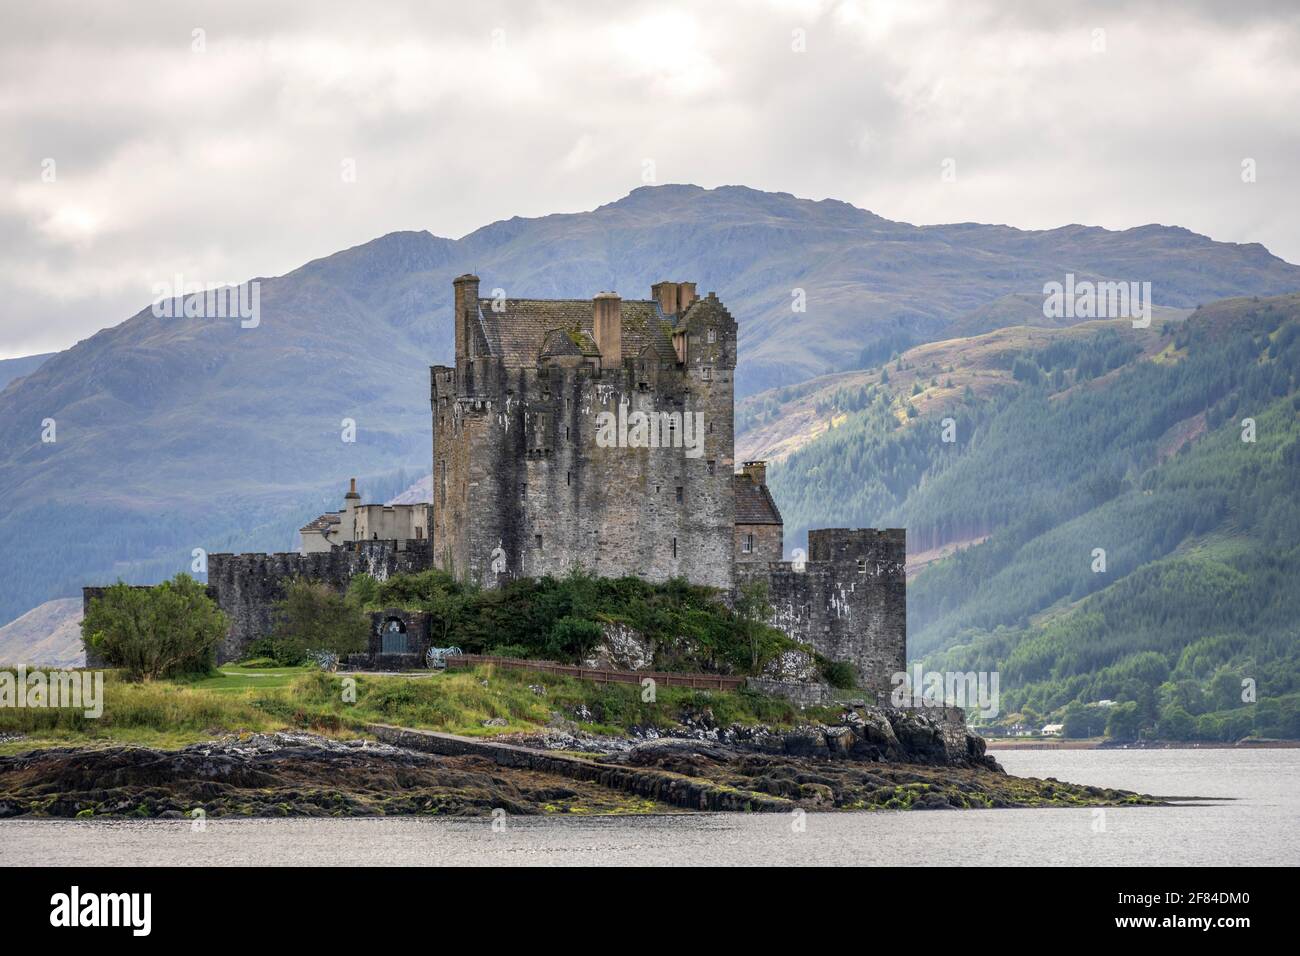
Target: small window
713,336
713,467
674,547
523,491
862,565
681,494
538,539
568,477
706,373
749,544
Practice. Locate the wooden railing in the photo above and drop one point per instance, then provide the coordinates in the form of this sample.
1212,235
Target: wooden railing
602,675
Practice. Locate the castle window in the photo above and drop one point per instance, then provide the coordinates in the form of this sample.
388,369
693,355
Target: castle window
713,336
566,432
713,467
538,540
706,373
674,547
681,494
568,477
749,544
523,490
419,532
862,565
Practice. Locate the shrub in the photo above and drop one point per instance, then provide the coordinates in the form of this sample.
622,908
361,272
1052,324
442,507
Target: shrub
841,674
314,617
169,629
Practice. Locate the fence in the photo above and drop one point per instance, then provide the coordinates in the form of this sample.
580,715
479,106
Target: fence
601,675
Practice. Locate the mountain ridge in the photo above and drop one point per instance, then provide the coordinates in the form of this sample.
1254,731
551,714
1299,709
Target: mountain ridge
175,434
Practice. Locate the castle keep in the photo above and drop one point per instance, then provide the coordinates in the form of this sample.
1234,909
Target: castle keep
594,433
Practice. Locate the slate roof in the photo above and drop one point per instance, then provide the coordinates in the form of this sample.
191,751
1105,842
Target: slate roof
526,329
323,523
754,503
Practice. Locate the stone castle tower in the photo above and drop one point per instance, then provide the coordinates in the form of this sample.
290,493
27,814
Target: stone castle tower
596,432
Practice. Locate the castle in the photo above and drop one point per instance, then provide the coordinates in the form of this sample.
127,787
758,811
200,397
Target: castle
595,432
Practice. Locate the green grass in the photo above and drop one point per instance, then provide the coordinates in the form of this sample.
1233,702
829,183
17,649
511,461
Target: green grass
239,699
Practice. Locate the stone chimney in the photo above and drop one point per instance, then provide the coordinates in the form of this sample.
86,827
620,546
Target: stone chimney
607,325
685,295
756,470
466,287
674,298
351,502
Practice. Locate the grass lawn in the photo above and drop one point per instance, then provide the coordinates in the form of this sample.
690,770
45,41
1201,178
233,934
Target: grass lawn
242,699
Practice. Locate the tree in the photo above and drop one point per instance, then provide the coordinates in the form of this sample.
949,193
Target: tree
171,628
1124,722
1175,723
314,617
754,611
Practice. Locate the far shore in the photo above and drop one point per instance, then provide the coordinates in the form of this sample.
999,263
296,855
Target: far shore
1037,743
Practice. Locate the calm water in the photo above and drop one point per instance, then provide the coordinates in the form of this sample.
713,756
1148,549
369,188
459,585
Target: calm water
1261,826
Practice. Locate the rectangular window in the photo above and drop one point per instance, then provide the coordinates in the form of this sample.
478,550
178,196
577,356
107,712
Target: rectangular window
568,477
674,547
706,373
749,543
538,539
681,494
713,467
713,336
523,491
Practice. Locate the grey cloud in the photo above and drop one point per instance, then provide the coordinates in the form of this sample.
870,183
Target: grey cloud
227,164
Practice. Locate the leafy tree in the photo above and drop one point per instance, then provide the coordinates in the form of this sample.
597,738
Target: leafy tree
1124,722
314,617
1176,723
169,629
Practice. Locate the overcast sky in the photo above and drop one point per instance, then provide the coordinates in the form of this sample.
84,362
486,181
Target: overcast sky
222,155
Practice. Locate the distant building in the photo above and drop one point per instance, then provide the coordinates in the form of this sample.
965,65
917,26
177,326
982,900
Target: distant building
358,522
1052,730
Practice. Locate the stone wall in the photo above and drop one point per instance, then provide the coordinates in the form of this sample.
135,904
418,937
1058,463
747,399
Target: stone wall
849,600
768,543
799,693
248,585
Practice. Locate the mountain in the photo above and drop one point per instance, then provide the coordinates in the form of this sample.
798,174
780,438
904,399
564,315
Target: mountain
49,635
1116,515
174,434
13,368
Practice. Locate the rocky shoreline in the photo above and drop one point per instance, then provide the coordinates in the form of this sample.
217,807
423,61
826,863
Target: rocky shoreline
874,759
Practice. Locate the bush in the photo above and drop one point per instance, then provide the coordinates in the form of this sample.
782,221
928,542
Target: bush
170,629
840,674
313,617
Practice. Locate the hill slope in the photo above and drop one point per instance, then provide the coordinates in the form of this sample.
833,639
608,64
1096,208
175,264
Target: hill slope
1081,439
49,635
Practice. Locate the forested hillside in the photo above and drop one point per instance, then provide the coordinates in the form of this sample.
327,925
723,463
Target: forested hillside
1173,453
